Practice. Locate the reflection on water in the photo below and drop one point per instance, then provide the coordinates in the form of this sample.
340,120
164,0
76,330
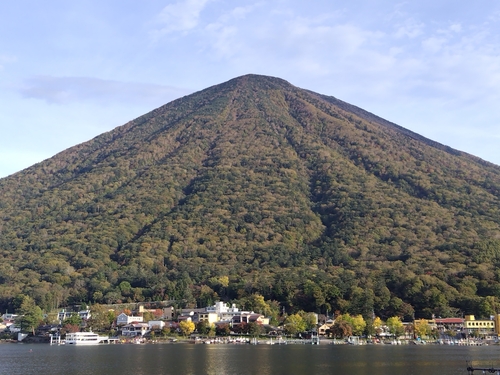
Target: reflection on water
242,359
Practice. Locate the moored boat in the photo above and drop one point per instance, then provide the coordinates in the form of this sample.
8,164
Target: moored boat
84,338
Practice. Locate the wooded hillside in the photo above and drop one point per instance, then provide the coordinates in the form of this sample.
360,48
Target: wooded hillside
257,186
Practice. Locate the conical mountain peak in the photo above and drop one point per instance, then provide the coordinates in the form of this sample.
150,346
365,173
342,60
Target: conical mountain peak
256,186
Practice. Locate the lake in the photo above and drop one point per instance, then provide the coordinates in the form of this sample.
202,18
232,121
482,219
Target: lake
152,359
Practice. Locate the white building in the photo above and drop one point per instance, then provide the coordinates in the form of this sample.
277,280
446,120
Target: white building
63,315
224,312
135,329
8,316
123,319
156,324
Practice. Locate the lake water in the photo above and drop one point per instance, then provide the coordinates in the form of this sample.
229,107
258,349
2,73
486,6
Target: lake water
182,359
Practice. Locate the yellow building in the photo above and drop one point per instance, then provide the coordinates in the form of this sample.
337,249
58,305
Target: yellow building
209,317
479,328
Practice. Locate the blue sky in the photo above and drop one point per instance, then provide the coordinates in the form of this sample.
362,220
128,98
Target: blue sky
71,70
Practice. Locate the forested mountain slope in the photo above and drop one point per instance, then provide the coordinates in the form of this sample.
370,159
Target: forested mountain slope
256,186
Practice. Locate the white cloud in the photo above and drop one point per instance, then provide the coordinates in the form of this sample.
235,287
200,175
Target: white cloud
409,28
181,16
456,27
63,90
433,44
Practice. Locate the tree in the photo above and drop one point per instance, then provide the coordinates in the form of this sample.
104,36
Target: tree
187,327
255,302
222,330
101,318
373,326
70,328
203,327
241,328
294,324
74,319
488,306
422,328
30,315
310,319
395,326
358,325
255,329
341,328
207,296
147,316
165,331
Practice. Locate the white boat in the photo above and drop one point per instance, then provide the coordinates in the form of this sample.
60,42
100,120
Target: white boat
84,338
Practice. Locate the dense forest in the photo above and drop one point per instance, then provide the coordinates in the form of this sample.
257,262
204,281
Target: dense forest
254,187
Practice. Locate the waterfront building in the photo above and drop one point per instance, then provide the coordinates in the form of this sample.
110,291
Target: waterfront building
479,328
123,319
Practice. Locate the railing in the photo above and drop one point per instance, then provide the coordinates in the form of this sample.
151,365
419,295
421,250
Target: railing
491,370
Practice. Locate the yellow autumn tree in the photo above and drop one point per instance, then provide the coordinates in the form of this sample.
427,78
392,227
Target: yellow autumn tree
422,328
186,327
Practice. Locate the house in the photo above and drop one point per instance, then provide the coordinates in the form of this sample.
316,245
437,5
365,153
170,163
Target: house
449,324
156,325
245,317
8,316
135,329
168,313
84,314
123,319
47,329
190,312
65,314
324,329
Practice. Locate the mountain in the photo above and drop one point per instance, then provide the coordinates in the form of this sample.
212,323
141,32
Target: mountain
255,186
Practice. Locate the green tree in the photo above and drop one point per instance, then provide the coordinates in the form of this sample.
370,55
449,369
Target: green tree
74,319
358,325
488,306
101,318
30,315
206,296
310,319
294,324
165,331
255,329
203,327
395,326
256,302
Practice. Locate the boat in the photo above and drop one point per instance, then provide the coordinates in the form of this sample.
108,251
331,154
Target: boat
84,338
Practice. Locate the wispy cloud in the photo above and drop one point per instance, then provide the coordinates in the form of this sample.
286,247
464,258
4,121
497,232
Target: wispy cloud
404,56
180,17
63,90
